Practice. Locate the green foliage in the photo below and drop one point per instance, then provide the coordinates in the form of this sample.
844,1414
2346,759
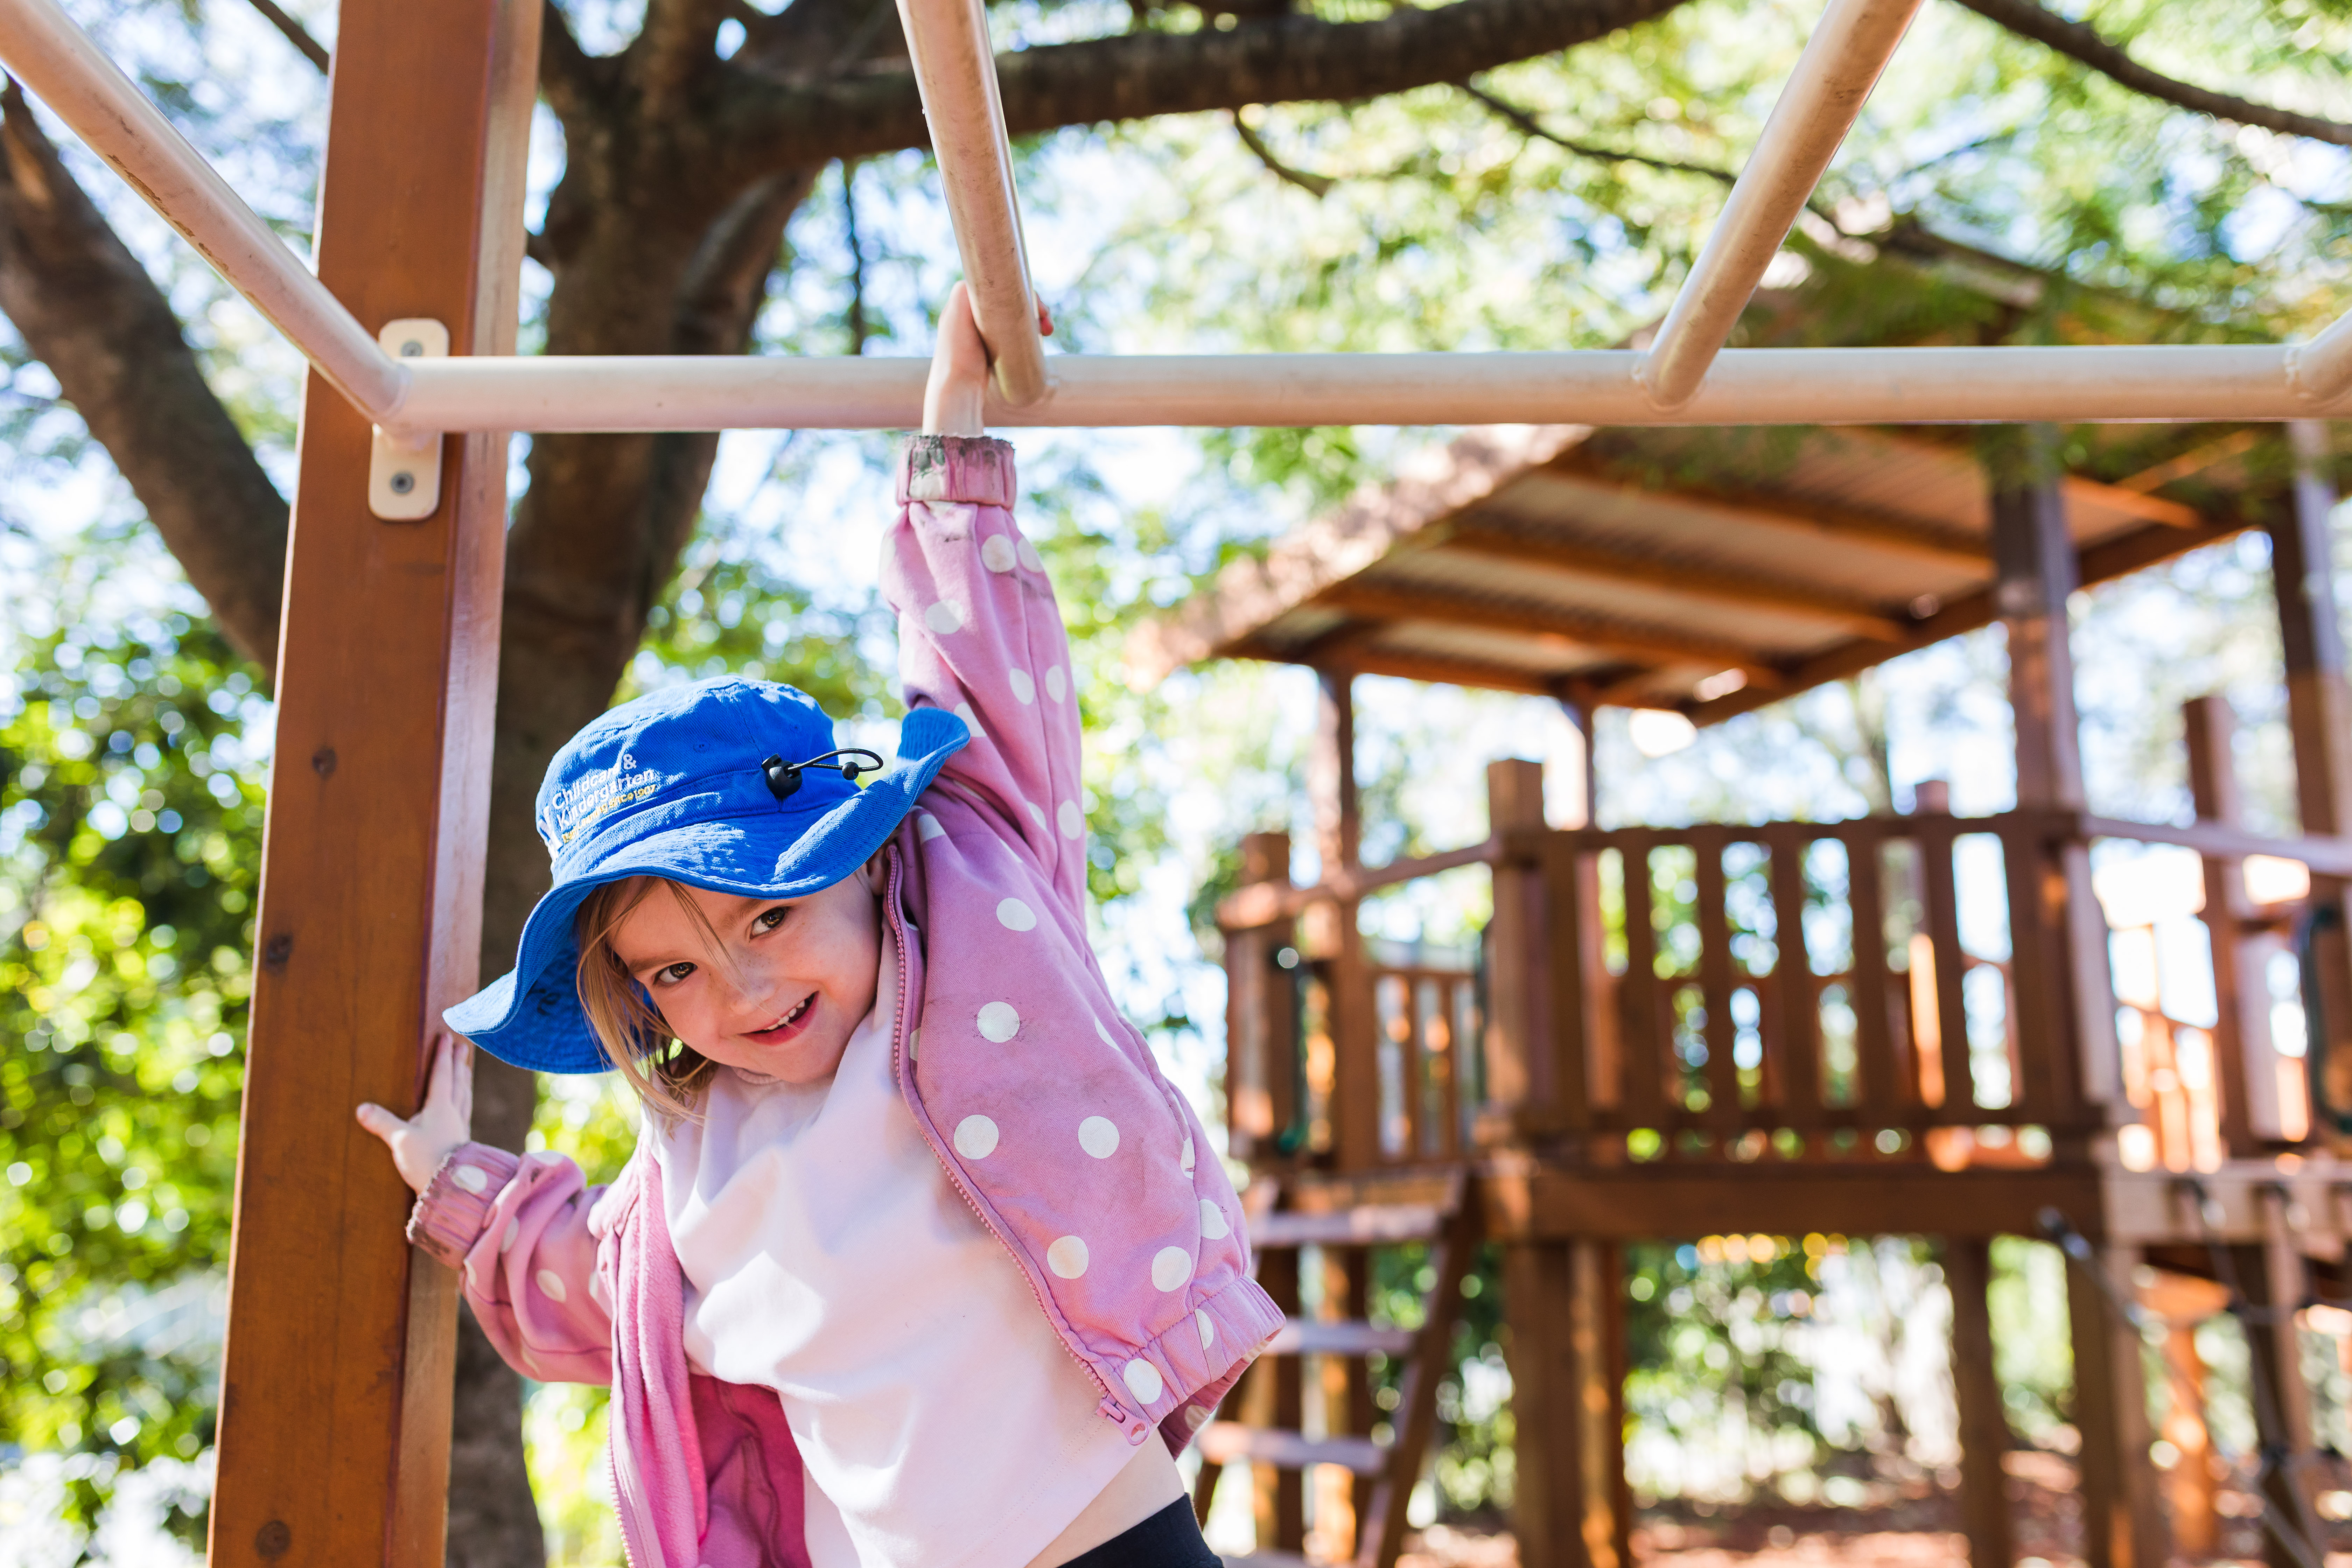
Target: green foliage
130,837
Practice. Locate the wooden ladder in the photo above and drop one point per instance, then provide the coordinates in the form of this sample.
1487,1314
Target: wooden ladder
1355,1214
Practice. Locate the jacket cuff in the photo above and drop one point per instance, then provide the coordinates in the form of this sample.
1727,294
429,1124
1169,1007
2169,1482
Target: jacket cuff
977,469
455,1207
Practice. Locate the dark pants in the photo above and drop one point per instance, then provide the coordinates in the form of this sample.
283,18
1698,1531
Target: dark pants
1169,1538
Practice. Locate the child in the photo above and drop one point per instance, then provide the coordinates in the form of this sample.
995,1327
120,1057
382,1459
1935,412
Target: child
917,1250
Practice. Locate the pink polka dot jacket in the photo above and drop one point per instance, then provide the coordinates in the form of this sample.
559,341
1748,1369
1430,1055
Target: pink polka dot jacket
1044,1106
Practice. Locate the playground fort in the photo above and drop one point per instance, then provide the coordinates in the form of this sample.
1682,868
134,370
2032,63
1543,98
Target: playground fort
1605,542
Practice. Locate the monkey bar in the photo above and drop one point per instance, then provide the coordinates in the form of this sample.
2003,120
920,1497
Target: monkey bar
1686,377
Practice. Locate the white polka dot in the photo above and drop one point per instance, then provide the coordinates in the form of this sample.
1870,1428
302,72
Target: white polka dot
1142,1380
1067,1258
1072,820
1195,1417
1208,1330
1187,1160
597,1293
1103,1032
1036,813
471,1282
999,1021
945,616
1057,685
975,1138
1025,690
1030,558
552,1283
473,1178
927,826
1170,1266
996,555
1213,1221
1098,1136
512,1234
970,720
1014,915
914,1042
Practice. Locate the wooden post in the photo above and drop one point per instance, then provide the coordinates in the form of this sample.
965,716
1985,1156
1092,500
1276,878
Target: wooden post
2319,717
1331,933
1519,1051
1273,1397
2245,1067
1563,1302
2270,1276
2123,1526
2065,998
2063,989
1261,1017
1984,1425
334,1415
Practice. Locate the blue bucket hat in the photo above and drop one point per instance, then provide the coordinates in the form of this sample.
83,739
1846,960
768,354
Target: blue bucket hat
705,784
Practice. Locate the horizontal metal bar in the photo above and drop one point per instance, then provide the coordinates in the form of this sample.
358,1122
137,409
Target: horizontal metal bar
1749,386
58,61
956,70
1850,47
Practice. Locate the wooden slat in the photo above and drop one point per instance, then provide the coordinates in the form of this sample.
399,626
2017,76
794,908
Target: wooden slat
1309,1336
1882,1088
1371,1224
1231,1443
1571,1073
335,1403
1799,1000
2037,1008
1940,897
1647,1053
1380,1518
1717,978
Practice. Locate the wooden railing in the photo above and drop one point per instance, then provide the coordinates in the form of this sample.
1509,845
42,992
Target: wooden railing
1923,986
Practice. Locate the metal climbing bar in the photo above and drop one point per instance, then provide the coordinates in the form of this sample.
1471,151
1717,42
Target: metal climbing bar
1758,387
1840,64
956,69
1747,386
72,75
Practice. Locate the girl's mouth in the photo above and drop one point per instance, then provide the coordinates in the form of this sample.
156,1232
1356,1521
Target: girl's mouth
791,1024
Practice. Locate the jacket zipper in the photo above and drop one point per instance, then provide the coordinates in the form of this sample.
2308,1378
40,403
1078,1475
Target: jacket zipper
1110,1401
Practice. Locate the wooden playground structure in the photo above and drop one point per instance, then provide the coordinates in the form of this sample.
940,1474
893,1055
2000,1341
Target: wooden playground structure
1588,1121
1777,1028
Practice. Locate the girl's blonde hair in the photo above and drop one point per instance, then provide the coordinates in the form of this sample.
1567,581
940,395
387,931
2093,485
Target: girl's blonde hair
666,1073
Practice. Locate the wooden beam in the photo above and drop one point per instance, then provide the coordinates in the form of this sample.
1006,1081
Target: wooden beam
334,1417
2195,460
2101,563
2123,1519
1559,627
1922,539
1708,586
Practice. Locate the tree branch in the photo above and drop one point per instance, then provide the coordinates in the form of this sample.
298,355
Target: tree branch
2079,41
1316,185
1135,76
675,50
87,308
1528,125
296,33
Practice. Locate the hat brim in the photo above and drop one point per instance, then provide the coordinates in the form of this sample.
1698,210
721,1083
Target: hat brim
533,1017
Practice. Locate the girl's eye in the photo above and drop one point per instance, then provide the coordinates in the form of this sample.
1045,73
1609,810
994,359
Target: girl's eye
673,974
768,919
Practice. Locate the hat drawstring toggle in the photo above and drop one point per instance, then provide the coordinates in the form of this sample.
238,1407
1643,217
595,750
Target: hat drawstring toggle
784,778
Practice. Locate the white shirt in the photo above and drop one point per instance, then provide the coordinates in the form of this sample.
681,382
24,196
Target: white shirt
942,1422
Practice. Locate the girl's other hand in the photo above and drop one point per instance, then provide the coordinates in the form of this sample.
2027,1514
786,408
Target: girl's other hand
419,1144
953,399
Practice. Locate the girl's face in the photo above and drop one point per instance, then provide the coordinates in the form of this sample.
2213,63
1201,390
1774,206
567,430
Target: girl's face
783,987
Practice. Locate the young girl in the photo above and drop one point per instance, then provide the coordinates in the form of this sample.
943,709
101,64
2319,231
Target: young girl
918,1250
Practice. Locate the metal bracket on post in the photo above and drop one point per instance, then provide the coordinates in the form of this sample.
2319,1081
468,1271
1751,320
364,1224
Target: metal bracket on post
405,477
